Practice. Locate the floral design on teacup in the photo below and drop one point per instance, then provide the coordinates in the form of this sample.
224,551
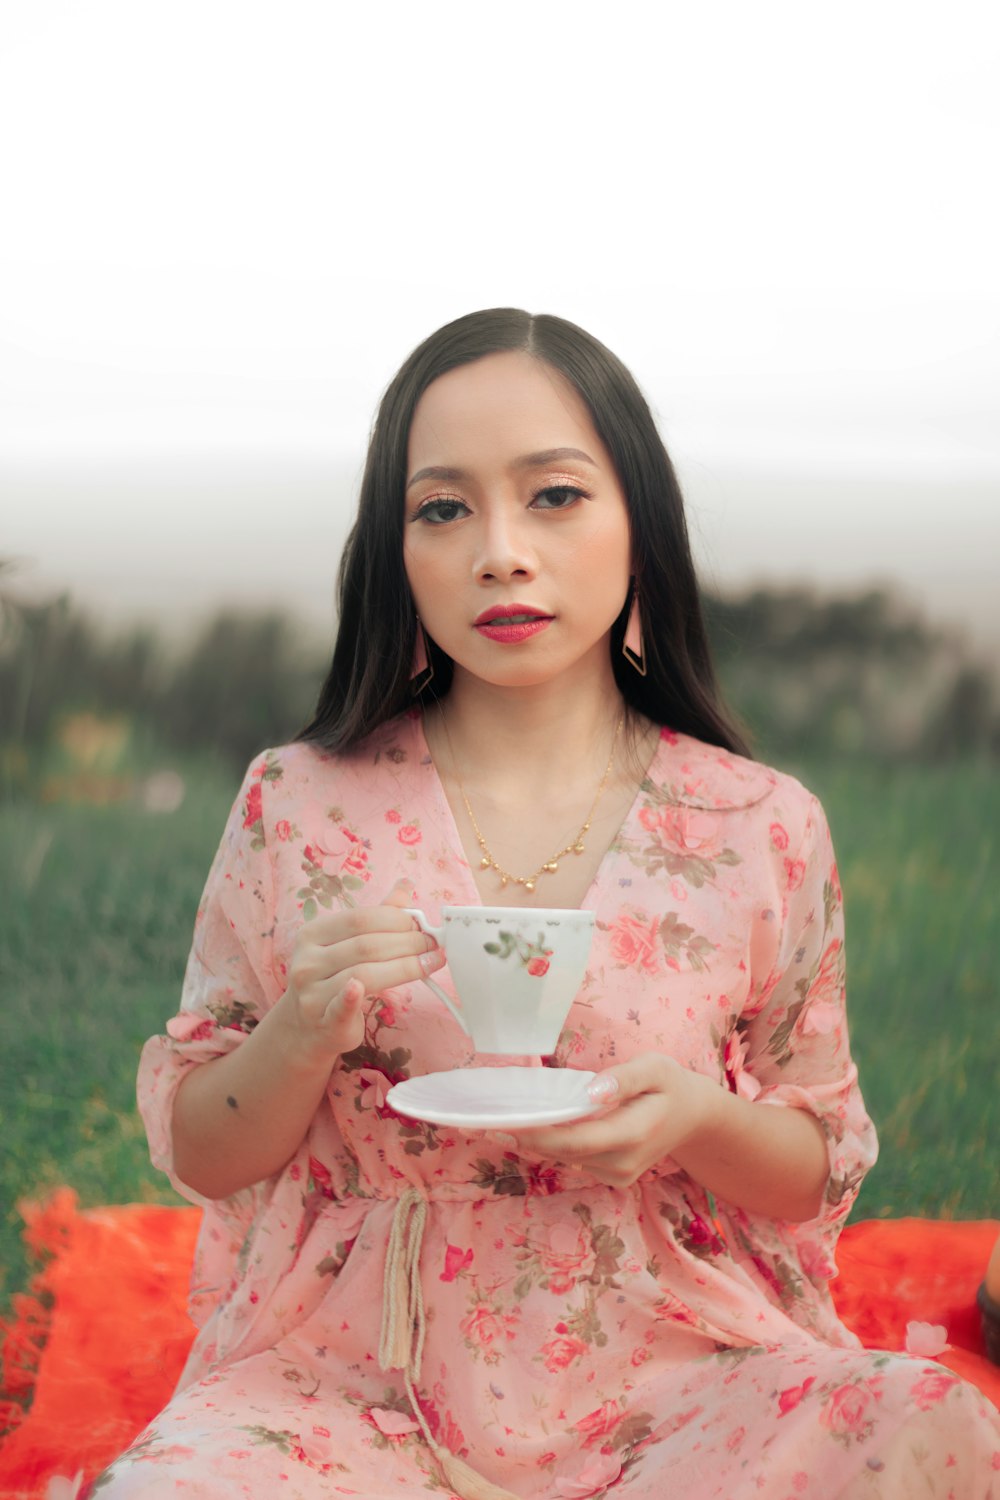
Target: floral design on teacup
533,956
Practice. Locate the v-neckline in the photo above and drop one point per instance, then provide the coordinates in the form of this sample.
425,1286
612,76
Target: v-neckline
447,818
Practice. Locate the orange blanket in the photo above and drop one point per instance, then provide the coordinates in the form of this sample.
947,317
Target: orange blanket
117,1333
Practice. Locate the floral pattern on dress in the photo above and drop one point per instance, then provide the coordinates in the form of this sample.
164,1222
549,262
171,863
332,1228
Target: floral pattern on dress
579,1339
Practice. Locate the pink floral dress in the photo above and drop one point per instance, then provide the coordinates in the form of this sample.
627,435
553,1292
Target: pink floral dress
578,1338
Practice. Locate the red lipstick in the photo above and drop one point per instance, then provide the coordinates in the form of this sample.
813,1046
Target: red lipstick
511,622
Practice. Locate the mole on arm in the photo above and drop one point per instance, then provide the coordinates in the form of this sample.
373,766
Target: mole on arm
231,1102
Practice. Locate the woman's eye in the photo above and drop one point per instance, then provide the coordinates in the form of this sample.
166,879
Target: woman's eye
437,512
558,497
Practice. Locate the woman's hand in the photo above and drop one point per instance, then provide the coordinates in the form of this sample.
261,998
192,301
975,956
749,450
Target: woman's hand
760,1157
338,959
655,1106
239,1118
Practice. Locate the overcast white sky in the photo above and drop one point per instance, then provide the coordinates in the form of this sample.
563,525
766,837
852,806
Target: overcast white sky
223,225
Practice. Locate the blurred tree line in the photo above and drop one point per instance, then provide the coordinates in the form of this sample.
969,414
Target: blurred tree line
810,676
862,674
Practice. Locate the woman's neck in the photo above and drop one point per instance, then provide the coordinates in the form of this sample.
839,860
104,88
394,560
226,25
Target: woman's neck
532,772
549,737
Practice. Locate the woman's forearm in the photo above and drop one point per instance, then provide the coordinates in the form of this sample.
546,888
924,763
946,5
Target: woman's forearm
767,1159
239,1118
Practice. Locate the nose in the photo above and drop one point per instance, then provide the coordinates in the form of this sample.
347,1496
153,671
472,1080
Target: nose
505,550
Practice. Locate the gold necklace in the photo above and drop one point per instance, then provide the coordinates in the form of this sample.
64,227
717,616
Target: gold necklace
550,866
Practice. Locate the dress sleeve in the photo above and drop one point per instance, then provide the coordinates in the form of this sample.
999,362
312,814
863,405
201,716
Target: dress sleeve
228,982
793,1033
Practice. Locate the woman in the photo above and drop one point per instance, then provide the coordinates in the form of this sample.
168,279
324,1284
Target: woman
636,1299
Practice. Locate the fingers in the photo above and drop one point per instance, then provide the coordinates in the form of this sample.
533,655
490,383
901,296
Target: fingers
375,966
327,928
363,932
651,1114
334,942
646,1073
585,1139
403,893
378,946
377,977
367,948
568,1142
344,1006
605,1089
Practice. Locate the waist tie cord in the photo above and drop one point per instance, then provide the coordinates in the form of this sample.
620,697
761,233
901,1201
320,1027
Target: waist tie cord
401,1342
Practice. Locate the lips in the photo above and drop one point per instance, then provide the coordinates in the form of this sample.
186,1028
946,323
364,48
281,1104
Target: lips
511,624
511,614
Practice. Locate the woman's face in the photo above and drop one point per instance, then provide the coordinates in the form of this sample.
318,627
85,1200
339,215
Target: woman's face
512,500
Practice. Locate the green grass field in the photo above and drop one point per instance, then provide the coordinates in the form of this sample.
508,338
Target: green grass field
96,916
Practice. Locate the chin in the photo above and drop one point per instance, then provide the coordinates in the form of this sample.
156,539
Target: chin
526,667
525,677
515,679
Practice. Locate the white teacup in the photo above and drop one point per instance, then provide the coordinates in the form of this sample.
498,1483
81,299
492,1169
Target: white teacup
516,971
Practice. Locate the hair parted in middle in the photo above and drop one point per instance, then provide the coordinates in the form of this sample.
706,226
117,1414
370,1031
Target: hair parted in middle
368,681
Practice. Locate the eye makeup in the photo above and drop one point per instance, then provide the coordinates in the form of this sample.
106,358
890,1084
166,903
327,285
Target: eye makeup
425,511
559,489
561,484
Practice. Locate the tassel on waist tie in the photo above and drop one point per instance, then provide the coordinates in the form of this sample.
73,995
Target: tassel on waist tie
401,1342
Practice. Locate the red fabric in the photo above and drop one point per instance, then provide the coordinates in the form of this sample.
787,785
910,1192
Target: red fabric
895,1270
117,1342
119,1332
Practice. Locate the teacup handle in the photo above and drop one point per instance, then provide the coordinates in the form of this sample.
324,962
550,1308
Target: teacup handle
437,933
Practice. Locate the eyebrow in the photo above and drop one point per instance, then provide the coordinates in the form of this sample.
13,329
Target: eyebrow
527,461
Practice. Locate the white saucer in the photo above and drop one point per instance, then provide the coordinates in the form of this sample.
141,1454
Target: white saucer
493,1098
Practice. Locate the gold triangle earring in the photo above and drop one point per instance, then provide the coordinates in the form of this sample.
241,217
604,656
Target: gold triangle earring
632,648
422,670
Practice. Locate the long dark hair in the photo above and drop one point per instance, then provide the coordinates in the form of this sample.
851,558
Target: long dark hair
368,682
